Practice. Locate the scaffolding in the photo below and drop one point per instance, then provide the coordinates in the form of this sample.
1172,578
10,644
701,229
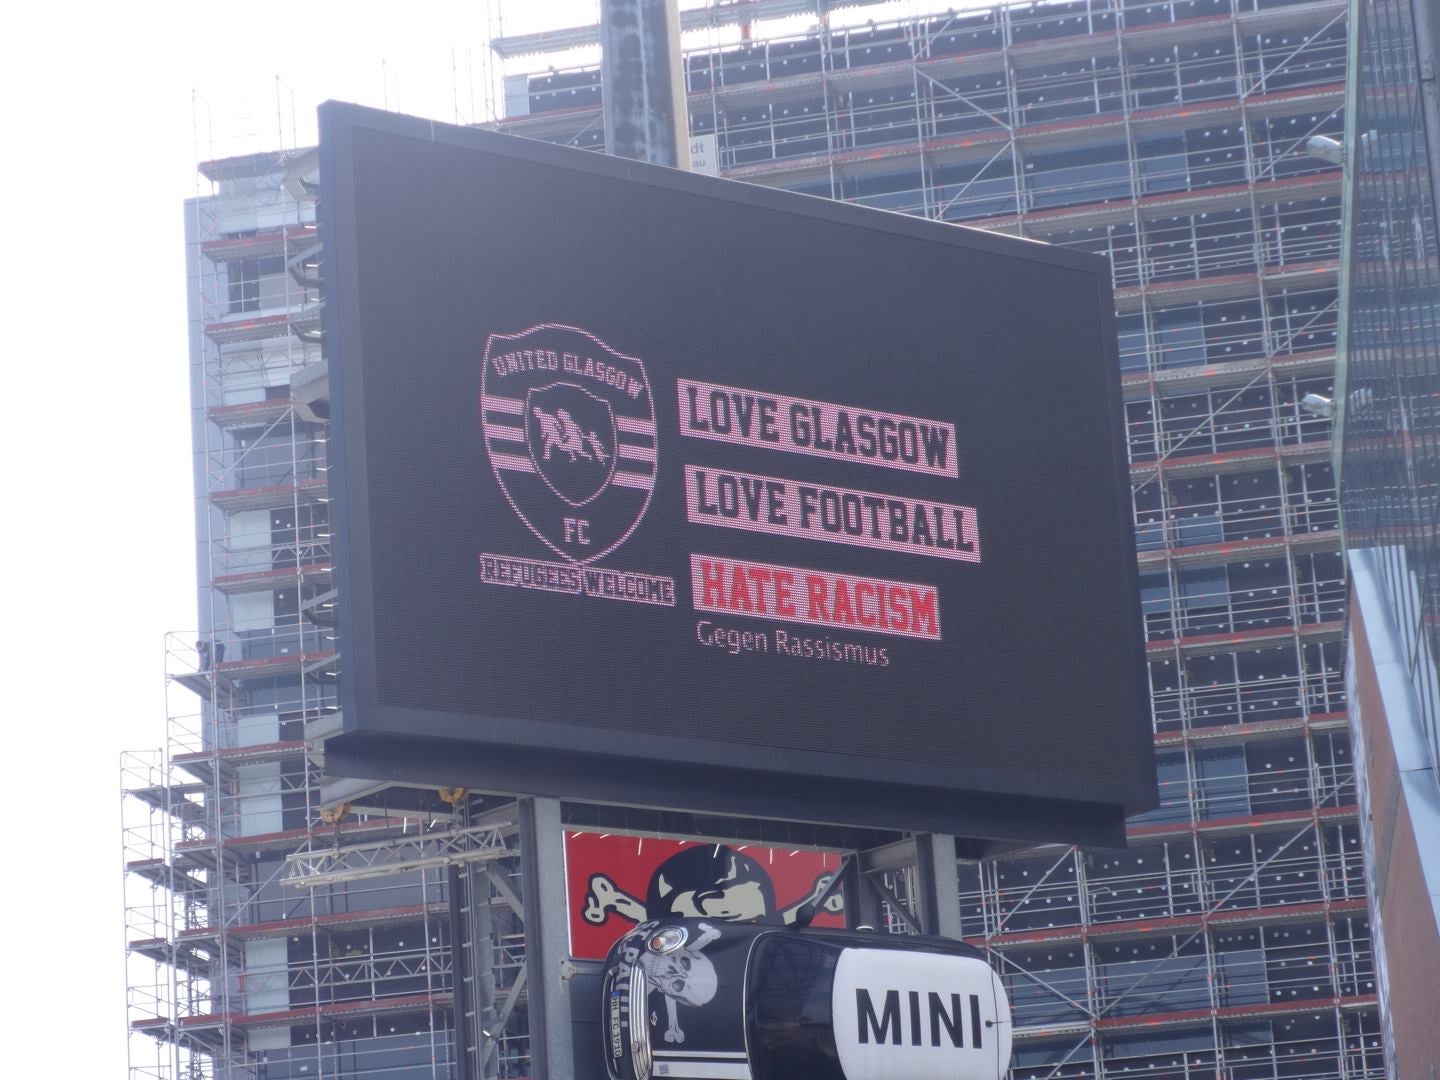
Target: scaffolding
239,967
1230,939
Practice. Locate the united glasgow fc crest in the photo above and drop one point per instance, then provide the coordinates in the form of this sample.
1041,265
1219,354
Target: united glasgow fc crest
572,438
569,425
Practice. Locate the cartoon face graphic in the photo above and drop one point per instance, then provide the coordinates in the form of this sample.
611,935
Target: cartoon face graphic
711,882
744,901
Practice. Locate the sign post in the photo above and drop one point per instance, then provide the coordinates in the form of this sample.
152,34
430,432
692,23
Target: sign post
552,1053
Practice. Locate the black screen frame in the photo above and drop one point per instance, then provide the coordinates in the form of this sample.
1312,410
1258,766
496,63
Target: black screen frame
503,754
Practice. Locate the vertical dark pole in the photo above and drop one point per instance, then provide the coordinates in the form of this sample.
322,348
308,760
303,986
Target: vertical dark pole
642,82
862,904
460,974
481,928
938,876
542,852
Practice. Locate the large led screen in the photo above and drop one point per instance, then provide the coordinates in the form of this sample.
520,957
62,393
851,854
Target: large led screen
659,489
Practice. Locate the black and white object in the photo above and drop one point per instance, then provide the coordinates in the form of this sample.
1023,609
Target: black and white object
692,999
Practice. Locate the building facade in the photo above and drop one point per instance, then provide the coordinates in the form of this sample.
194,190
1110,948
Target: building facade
1388,466
241,963
1231,938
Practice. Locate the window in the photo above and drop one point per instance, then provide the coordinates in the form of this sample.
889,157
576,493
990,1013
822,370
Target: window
1344,860
1278,772
800,127
1320,587
1147,881
965,105
1162,164
1205,600
1195,511
889,191
1269,684
1149,516
1156,607
1229,864
1164,974
1140,430
1325,677
962,34
970,190
746,135
1278,144
1240,969
1242,418
1215,156
1170,1055
1165,695
1234,330
1155,78
1170,249
1297,962
1130,331
1207,71
1074,88
1299,425
1311,497
1173,776
1301,231
1251,505
789,1003
1212,695
1224,242
564,90
1185,428
879,117
1220,787
1179,337
1063,1059
1039,982
1260,594
1070,177
1037,893
256,283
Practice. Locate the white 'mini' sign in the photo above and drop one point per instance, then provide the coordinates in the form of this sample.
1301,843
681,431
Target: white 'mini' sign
922,1016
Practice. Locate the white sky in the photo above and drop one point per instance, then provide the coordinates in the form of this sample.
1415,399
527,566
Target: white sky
99,152
101,133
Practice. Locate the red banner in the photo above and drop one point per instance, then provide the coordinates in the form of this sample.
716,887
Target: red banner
615,882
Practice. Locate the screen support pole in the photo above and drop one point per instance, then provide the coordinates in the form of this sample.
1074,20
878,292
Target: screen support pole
937,870
862,903
542,850
935,906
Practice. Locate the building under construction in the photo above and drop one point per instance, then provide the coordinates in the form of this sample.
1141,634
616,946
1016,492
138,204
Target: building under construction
281,924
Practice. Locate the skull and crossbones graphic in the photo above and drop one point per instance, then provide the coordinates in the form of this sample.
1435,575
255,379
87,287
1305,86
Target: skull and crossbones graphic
701,882
684,975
